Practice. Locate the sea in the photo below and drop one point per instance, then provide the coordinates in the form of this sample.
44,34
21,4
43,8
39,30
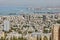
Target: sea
19,10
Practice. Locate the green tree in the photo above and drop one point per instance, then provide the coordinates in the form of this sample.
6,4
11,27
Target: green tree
2,38
58,21
7,39
45,38
14,38
21,38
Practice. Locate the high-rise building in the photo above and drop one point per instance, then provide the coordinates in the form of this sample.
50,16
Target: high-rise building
44,17
6,25
56,32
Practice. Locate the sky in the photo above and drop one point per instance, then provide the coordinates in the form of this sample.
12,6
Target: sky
31,3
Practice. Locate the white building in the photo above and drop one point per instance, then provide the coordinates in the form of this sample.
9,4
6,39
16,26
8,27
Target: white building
6,25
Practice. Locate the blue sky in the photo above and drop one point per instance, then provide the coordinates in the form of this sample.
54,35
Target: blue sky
31,3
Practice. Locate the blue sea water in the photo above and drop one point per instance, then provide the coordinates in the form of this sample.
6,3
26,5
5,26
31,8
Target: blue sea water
18,10
7,10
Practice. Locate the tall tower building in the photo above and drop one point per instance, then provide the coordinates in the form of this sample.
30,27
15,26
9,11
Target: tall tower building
44,17
56,32
6,25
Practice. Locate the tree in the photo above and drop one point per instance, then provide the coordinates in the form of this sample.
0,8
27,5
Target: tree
36,30
14,38
58,21
21,38
2,38
45,38
7,39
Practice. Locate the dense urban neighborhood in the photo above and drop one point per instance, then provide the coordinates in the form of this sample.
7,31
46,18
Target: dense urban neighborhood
29,27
